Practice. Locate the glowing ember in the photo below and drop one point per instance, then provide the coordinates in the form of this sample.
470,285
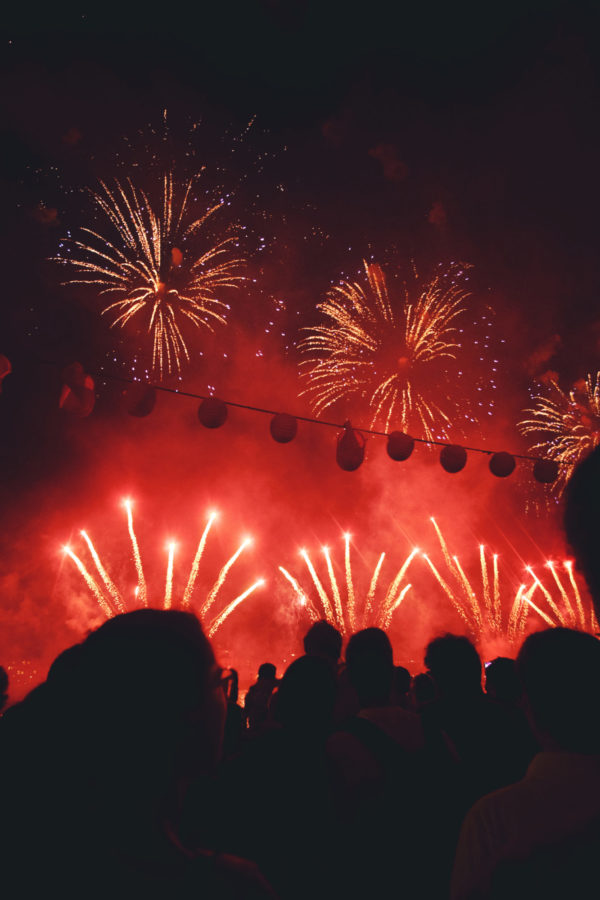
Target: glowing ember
149,262
339,606
392,355
111,600
568,425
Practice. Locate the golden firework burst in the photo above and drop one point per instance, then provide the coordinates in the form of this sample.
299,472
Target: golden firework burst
568,424
391,354
150,267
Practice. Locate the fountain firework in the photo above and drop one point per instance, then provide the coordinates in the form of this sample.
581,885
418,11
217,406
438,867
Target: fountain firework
112,601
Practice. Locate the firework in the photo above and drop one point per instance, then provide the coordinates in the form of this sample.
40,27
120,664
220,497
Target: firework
338,605
486,610
112,601
567,424
148,264
394,356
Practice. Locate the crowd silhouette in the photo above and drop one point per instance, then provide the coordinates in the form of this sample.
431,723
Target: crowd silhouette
134,771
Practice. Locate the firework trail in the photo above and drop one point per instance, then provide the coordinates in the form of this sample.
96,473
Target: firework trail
567,424
393,355
169,581
141,585
111,600
91,582
147,263
222,576
109,583
340,608
481,606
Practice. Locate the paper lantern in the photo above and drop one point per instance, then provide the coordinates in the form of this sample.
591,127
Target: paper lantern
77,396
545,471
78,401
139,400
453,458
5,368
400,445
502,464
74,376
283,427
350,451
212,412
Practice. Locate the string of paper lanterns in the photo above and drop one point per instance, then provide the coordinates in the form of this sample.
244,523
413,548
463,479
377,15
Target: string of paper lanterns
139,399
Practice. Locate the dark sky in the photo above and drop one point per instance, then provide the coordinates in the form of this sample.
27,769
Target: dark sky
386,110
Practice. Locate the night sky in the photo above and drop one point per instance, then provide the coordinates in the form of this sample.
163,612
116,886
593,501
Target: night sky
430,132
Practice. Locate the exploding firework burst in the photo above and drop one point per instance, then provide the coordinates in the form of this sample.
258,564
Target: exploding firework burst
394,356
338,604
490,613
112,601
568,424
150,267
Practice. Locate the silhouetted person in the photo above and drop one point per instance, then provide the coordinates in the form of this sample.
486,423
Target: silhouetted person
582,521
485,739
278,811
99,758
376,772
401,687
422,691
258,698
3,687
234,720
323,640
502,682
541,836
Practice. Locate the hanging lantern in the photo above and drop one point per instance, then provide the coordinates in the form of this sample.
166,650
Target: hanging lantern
212,412
139,400
350,451
502,464
5,368
78,401
283,428
74,376
545,471
400,445
453,458
77,396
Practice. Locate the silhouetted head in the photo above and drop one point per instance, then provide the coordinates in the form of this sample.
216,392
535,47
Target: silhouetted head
423,690
401,681
267,671
323,640
142,697
306,696
3,687
582,521
560,673
502,681
454,664
370,663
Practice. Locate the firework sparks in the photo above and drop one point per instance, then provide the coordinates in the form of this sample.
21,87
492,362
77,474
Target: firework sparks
111,600
169,583
388,354
481,607
340,608
149,267
568,424
90,581
139,568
